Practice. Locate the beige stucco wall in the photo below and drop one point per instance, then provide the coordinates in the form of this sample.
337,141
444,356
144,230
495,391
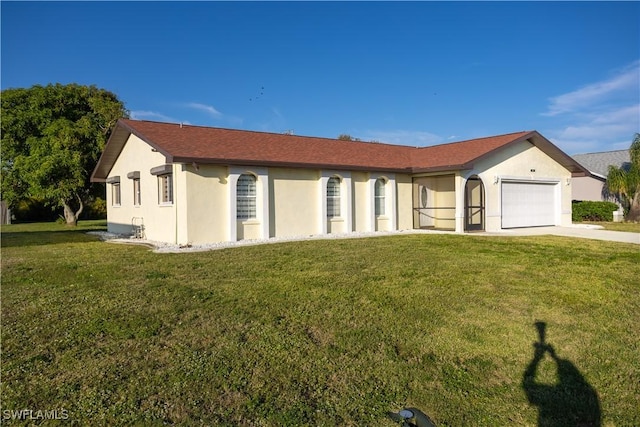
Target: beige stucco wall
159,220
404,204
361,201
336,225
445,200
207,207
522,162
249,229
294,202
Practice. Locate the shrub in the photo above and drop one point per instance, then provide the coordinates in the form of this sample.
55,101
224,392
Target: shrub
33,210
96,208
592,211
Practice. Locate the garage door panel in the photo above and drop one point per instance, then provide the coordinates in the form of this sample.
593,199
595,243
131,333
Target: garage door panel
528,204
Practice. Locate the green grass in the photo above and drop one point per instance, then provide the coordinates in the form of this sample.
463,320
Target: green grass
633,227
317,333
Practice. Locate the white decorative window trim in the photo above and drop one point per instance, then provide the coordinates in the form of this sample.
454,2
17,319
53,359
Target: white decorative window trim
346,199
390,205
262,200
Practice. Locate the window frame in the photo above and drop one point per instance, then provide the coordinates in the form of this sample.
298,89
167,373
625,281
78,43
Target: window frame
246,197
165,189
137,193
380,197
116,194
334,197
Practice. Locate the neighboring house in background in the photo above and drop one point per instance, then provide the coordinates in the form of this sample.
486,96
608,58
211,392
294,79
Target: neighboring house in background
192,184
593,187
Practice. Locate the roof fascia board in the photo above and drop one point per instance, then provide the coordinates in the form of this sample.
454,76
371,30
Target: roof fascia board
546,146
241,162
147,141
558,155
593,175
113,148
470,164
448,168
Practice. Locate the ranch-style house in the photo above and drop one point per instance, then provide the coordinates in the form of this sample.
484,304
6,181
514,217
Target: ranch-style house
187,184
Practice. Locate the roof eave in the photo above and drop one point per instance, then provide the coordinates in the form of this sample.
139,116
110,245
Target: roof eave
576,169
110,153
113,148
447,168
296,165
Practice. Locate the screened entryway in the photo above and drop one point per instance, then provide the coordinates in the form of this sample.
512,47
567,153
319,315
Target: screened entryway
474,205
434,202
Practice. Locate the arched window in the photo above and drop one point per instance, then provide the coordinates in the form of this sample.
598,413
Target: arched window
380,197
246,197
333,197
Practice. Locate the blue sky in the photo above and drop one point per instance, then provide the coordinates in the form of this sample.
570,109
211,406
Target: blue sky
417,73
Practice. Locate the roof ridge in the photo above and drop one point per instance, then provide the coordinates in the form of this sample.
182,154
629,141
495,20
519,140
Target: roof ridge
602,152
332,139
273,133
222,145
478,139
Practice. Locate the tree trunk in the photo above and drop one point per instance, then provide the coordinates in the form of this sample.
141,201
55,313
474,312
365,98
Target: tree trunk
634,208
70,216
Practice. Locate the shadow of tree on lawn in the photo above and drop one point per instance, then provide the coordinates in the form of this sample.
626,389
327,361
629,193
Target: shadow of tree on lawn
41,238
570,401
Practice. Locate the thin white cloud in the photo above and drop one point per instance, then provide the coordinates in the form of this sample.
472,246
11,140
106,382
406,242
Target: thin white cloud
600,132
621,115
616,122
625,81
404,137
276,112
582,146
598,117
208,109
214,113
150,115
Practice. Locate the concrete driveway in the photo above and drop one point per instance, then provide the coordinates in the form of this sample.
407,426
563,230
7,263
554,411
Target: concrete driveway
582,231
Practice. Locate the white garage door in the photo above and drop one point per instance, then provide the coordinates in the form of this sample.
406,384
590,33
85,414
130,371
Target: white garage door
528,204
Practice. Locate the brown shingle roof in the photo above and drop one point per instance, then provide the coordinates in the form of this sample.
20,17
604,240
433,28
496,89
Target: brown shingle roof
206,144
460,155
186,144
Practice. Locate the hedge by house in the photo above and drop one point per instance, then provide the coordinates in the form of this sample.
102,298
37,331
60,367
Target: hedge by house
592,211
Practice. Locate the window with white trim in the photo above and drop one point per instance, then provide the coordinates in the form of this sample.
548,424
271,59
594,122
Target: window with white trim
136,192
165,189
115,194
333,197
246,197
380,197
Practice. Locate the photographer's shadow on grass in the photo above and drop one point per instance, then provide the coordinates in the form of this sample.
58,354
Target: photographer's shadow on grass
569,401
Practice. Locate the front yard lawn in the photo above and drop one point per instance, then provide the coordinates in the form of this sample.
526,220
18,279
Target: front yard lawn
335,332
632,227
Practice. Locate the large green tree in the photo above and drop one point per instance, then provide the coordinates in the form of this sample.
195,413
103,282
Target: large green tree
52,137
624,182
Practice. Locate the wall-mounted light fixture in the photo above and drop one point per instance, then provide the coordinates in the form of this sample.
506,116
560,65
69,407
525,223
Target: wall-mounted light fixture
568,181
496,179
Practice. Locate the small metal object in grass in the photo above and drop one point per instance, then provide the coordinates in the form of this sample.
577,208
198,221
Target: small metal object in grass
406,414
412,417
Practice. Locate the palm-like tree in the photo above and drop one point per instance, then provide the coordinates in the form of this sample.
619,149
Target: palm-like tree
625,182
